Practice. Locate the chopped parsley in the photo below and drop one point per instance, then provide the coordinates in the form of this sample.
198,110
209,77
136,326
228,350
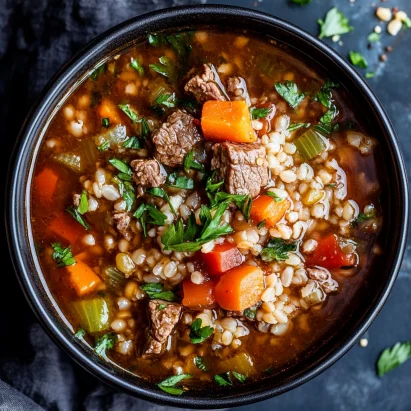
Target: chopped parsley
126,190
277,249
277,198
223,380
257,113
177,181
335,24
296,126
191,163
105,122
370,74
62,256
137,67
155,290
161,307
120,165
358,59
239,377
106,342
169,384
325,97
301,2
261,224
99,70
199,363
131,114
165,67
132,142
80,334
289,92
392,357
147,213
77,216
159,192
373,37
83,204
362,217
199,334
104,146
168,100
250,313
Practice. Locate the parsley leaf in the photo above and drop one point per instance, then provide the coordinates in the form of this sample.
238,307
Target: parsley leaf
80,334
362,217
169,384
161,307
159,192
301,2
83,205
131,114
104,146
261,224
277,249
335,23
277,198
373,37
358,59
62,256
77,216
325,97
126,191
392,357
257,113
137,67
289,92
165,67
105,122
199,363
147,213
199,334
155,290
120,165
104,343
249,313
167,100
243,202
132,142
99,70
177,181
369,74
239,377
223,380
296,126
189,163
156,40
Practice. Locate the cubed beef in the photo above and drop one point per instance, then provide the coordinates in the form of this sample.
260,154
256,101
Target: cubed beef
147,174
175,138
237,89
207,85
122,221
242,166
162,323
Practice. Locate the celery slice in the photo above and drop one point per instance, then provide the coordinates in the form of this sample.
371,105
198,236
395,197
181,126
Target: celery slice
114,279
90,152
310,144
114,137
70,160
93,315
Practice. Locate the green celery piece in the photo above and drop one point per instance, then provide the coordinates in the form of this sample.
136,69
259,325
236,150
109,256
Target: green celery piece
114,279
93,315
310,144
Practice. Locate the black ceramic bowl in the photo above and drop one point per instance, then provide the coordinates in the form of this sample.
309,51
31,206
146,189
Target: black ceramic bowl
373,292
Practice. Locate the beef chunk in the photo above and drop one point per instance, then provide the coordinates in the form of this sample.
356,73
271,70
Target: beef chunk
122,221
175,138
162,323
237,89
206,86
147,174
323,276
243,167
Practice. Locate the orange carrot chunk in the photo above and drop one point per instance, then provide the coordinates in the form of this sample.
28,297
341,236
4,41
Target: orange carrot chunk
266,208
222,258
227,121
198,295
240,288
66,227
109,110
83,279
45,185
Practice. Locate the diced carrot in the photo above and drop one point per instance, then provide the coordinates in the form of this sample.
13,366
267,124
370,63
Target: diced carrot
45,184
240,288
222,258
228,121
66,227
109,110
83,278
328,254
198,295
266,208
84,256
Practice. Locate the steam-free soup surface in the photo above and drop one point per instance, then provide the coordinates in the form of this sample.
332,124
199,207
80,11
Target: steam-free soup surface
206,205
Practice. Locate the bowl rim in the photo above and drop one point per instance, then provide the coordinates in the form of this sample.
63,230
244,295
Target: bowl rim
14,215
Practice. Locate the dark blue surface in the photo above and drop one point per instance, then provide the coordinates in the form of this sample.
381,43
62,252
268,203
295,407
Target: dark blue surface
37,37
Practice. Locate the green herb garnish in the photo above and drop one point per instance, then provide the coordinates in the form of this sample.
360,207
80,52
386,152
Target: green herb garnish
165,67
132,142
77,216
106,342
120,165
62,256
289,92
261,224
126,191
83,204
277,249
301,2
155,290
199,363
131,114
277,198
296,126
392,357
104,146
257,113
159,192
99,70
169,384
242,201
223,380
335,24
239,377
199,334
358,59
370,74
249,313
161,307
177,181
189,163
147,213
373,37
325,97
137,67
105,122
80,334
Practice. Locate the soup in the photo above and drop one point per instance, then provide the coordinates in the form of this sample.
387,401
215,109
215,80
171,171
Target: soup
205,206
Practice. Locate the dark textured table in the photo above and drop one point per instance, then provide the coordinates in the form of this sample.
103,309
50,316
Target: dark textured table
38,36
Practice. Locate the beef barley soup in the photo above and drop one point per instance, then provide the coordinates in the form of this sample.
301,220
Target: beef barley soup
205,207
